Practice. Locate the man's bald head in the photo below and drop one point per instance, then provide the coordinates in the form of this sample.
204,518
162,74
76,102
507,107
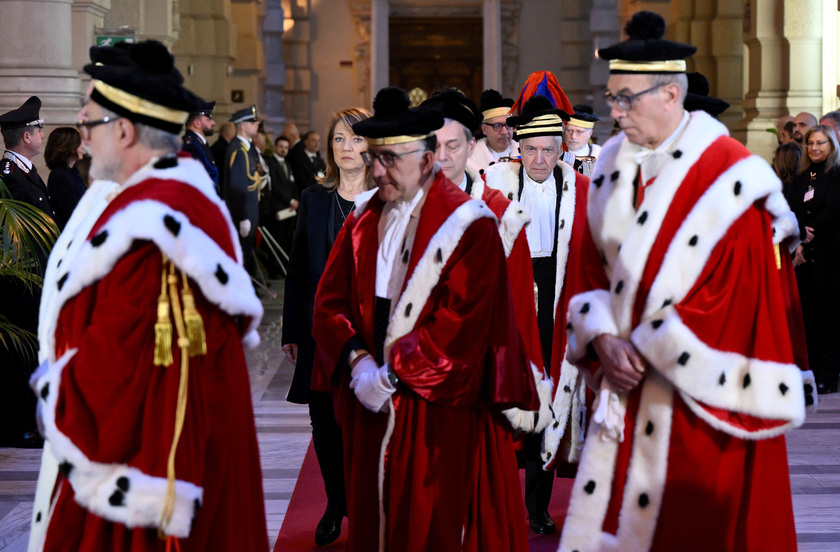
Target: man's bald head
801,123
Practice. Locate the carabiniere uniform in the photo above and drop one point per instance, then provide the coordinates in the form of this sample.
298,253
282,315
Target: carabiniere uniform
24,182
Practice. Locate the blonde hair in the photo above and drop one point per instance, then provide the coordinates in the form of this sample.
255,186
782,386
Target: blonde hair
833,159
349,117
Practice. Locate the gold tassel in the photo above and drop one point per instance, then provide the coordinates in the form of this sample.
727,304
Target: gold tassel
163,326
193,321
778,257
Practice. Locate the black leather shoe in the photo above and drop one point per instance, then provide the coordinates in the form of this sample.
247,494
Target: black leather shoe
329,529
540,522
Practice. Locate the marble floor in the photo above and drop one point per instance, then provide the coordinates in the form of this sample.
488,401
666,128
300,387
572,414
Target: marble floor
284,435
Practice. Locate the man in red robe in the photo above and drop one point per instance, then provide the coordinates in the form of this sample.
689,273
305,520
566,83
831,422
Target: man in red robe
143,391
417,340
688,345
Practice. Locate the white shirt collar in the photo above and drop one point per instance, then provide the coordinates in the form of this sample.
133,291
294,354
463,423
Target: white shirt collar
23,159
246,142
463,184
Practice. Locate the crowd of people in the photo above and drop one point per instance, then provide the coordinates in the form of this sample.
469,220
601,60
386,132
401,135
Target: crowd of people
470,290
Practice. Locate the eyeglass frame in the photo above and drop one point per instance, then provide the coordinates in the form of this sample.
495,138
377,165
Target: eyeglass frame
84,126
494,125
369,156
621,98
818,143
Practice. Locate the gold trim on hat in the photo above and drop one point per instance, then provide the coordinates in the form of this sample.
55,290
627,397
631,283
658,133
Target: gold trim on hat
495,112
393,140
668,66
581,123
138,105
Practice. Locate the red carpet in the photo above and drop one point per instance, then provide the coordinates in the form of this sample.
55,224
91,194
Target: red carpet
308,502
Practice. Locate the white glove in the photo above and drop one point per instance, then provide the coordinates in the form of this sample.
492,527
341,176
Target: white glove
372,386
244,228
609,416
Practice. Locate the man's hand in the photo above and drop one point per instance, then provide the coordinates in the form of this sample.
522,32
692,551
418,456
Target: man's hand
294,204
799,257
809,235
244,228
623,366
370,383
291,350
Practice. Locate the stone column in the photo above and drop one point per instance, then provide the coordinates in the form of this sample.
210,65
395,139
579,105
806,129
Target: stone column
297,59
247,73
275,68
379,58
492,18
606,30
41,64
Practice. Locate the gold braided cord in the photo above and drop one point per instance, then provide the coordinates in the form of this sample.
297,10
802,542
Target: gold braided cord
193,321
393,140
778,257
163,327
181,406
138,105
668,66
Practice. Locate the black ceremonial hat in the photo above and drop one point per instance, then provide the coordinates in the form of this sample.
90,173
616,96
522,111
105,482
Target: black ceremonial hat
698,98
140,82
645,51
203,108
393,122
453,104
249,114
583,117
25,115
538,118
492,104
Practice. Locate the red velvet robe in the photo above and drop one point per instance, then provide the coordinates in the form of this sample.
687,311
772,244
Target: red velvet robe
459,361
693,285
110,413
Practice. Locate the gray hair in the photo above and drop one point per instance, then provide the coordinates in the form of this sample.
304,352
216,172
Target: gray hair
467,132
680,79
834,116
151,137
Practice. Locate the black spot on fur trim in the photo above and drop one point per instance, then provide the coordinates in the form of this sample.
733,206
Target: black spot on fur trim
439,255
510,196
585,308
722,378
783,388
171,224
99,239
405,257
618,287
737,188
58,264
644,500
677,154
556,425
62,280
598,181
491,163
747,381
548,456
614,176
642,218
221,275
66,468
45,391
568,325
693,241
683,360
481,171
590,487
123,484
567,389
562,223
117,498
649,428
666,303
808,388
604,260
408,310
38,517
565,186
166,162
809,400
656,324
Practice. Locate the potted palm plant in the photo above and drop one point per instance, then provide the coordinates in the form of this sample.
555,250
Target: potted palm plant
26,236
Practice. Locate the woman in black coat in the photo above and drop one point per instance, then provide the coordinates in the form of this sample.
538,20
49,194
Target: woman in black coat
815,198
322,211
65,184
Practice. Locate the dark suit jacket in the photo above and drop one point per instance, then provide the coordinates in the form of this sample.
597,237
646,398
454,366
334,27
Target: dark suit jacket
304,169
26,186
282,188
219,150
66,187
201,151
314,237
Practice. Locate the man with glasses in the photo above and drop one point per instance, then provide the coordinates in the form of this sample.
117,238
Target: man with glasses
497,143
687,345
417,340
143,390
200,127
576,135
554,195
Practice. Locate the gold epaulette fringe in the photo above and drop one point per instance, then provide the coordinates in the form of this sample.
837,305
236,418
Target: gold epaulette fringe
193,321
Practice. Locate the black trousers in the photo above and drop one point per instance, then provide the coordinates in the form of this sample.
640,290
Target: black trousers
326,437
538,482
820,308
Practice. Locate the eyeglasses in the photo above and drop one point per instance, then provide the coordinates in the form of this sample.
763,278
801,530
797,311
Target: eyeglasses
818,143
497,127
387,158
624,101
85,126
